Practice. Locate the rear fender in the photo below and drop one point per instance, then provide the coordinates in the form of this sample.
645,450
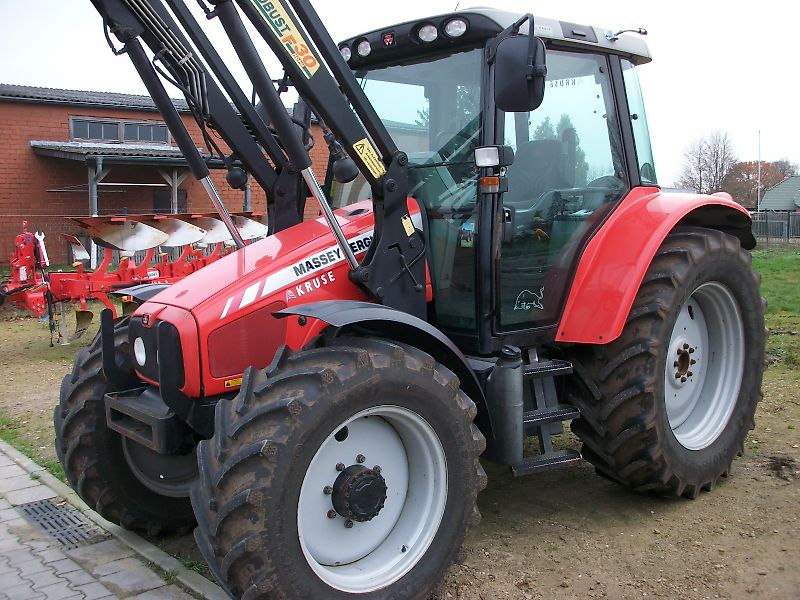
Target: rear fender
388,323
616,259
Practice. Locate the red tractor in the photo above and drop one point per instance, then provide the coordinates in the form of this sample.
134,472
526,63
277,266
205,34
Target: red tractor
494,258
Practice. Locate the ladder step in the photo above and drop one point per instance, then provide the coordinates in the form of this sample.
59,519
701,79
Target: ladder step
552,414
547,368
560,459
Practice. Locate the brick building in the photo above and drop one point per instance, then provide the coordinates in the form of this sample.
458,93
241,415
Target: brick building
56,142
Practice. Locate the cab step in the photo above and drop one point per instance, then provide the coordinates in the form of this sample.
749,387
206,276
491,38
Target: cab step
534,419
557,459
546,368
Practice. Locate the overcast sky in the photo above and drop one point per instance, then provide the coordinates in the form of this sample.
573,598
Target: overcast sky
715,65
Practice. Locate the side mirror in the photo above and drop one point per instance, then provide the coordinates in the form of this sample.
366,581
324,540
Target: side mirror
519,73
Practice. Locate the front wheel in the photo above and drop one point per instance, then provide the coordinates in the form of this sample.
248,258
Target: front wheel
344,471
667,406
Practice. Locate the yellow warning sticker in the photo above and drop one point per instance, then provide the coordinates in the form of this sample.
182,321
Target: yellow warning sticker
233,383
369,155
408,225
281,24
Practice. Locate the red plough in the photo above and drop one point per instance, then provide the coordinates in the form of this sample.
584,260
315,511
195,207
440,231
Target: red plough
31,286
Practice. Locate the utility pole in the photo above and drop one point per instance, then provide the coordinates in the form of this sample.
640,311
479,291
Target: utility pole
758,185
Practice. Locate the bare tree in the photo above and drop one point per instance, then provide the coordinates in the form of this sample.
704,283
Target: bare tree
786,168
707,162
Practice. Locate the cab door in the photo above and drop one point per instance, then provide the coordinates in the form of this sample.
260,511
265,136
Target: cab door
568,174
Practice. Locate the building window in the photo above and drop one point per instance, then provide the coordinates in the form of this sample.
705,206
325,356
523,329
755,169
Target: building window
118,130
106,131
146,132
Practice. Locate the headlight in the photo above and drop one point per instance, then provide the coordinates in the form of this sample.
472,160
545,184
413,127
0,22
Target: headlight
428,33
139,351
346,52
364,48
455,28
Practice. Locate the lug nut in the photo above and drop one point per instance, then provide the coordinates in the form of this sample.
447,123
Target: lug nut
360,458
677,375
331,514
689,373
340,466
348,524
686,346
683,379
675,364
327,490
693,362
377,468
691,350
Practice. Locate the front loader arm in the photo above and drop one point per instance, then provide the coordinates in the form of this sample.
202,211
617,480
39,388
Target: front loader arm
393,271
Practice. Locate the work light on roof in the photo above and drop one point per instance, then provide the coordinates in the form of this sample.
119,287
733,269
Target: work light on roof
428,33
455,28
364,48
346,52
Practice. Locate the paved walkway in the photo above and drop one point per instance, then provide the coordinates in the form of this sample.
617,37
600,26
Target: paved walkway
35,566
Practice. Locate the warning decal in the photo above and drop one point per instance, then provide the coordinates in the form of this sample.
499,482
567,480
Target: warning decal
232,383
408,225
288,35
369,155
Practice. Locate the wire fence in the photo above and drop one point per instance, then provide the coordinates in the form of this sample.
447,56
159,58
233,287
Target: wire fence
776,227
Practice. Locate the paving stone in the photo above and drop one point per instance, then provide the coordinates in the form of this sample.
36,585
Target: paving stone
17,524
93,591
23,555
10,580
4,504
169,592
31,494
123,564
77,578
63,566
56,591
97,554
5,461
8,514
30,568
50,555
11,471
9,543
45,579
21,482
132,581
23,592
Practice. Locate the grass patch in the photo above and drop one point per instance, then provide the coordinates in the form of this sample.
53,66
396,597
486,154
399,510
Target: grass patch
15,432
198,566
780,274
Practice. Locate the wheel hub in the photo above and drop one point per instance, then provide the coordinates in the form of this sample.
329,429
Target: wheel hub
684,362
359,493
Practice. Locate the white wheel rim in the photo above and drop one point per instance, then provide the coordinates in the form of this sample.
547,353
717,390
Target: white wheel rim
374,554
705,359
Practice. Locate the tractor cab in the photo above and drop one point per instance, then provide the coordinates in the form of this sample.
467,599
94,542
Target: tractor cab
575,157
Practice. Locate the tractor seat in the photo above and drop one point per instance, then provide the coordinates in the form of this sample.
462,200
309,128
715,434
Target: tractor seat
538,167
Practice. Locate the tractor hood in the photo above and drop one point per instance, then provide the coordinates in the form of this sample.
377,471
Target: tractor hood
281,260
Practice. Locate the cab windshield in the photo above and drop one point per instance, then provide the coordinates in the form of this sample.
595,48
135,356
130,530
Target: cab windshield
431,109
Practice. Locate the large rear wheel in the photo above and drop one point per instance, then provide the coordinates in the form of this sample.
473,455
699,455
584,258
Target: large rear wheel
667,406
338,472
126,483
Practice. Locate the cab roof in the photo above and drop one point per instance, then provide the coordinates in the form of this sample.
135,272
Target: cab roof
393,43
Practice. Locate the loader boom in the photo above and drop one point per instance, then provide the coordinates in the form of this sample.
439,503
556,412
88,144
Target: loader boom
393,270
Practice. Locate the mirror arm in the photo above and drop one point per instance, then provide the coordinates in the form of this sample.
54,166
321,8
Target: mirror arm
512,29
